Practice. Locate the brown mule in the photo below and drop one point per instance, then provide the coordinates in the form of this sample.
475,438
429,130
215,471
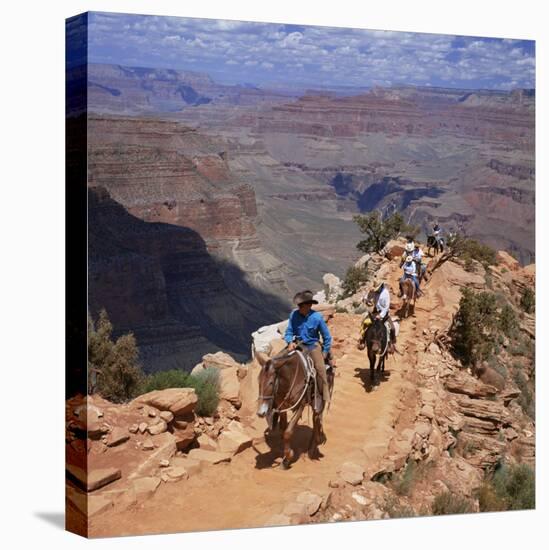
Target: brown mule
285,387
408,289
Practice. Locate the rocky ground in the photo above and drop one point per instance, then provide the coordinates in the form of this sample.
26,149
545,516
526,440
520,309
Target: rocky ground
430,425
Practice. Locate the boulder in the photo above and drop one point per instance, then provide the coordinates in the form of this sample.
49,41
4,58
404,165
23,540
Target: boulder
158,428
219,360
206,442
133,429
179,401
351,473
210,457
332,287
393,251
462,383
175,473
167,416
148,445
229,385
184,437
233,441
117,437
143,427
490,376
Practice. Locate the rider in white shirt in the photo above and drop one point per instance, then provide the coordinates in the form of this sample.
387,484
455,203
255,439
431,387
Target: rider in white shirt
410,273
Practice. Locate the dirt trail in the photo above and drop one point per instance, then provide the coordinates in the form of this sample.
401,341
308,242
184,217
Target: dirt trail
250,489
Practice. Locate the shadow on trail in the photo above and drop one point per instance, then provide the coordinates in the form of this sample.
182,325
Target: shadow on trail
300,445
370,385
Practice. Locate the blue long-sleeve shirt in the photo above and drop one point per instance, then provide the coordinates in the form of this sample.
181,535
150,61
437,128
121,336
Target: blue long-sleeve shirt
309,329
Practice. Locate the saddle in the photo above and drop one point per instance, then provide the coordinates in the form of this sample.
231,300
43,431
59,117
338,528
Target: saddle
312,375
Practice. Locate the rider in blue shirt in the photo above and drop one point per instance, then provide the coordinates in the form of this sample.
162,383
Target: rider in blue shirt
308,326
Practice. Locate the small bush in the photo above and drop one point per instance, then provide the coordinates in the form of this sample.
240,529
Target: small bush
354,279
392,506
516,486
117,375
450,503
205,383
488,499
528,300
469,249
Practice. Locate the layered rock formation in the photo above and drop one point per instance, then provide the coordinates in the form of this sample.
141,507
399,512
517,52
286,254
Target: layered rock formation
159,281
174,252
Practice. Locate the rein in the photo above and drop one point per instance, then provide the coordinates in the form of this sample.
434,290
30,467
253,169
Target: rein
306,386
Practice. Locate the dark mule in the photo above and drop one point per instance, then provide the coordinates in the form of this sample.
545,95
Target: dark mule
437,244
375,338
285,386
421,268
408,289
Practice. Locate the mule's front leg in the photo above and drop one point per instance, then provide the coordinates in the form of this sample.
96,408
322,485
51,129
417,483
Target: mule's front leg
287,437
372,358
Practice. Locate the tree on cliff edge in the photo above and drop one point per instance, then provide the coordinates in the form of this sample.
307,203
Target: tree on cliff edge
113,366
380,231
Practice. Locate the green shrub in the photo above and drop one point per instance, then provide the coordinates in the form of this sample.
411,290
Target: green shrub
472,332
470,249
205,383
528,300
354,279
507,320
450,503
516,486
113,366
379,231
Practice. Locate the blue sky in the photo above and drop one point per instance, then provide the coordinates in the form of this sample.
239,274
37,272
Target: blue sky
307,56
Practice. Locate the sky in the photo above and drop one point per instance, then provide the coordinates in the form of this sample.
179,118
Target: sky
263,54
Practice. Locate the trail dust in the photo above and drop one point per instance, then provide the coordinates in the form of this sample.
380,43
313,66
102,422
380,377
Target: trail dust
252,488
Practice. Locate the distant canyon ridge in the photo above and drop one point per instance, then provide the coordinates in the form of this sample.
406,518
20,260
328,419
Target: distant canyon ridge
210,205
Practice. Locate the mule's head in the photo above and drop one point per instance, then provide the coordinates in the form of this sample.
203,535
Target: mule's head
370,299
267,376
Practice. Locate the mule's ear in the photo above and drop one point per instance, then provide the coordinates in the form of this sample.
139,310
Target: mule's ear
261,357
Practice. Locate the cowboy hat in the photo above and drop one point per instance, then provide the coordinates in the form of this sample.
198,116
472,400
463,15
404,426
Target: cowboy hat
409,258
304,297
